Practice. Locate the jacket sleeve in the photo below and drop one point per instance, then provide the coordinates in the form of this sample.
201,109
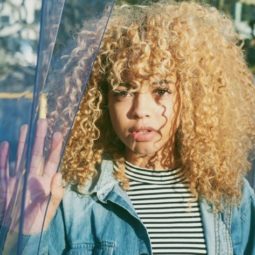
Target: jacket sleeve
243,223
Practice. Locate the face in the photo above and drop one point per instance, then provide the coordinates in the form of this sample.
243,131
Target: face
142,116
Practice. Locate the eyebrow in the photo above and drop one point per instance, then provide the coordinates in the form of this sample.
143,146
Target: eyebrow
154,84
161,82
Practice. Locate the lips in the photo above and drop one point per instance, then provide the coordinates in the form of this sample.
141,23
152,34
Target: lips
143,134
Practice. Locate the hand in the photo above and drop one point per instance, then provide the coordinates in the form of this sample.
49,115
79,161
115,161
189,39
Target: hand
43,182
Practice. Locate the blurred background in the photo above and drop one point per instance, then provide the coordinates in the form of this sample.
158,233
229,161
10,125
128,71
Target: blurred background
19,33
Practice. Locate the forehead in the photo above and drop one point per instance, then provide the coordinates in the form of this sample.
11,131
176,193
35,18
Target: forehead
156,80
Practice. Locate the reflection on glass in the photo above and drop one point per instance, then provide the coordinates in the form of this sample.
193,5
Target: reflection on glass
28,169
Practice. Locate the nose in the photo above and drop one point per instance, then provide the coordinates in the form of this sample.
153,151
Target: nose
142,105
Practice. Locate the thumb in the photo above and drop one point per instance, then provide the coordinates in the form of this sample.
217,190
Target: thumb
57,194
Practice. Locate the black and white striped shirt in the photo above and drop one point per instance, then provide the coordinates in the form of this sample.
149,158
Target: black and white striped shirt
164,204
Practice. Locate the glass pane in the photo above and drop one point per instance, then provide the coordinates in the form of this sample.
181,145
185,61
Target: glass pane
55,103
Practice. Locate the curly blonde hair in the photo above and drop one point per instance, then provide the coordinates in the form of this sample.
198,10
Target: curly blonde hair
200,47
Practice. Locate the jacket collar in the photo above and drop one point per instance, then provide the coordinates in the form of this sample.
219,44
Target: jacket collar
103,183
108,188
106,180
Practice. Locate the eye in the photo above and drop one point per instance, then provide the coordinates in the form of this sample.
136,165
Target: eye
121,94
162,91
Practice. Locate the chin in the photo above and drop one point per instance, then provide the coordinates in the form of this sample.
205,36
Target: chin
145,151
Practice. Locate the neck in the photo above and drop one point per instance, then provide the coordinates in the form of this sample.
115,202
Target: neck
155,162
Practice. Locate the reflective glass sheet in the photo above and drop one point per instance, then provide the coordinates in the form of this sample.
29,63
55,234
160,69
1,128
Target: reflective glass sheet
27,195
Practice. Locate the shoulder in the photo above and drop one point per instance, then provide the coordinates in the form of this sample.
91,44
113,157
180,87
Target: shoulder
103,176
93,189
243,222
247,203
246,206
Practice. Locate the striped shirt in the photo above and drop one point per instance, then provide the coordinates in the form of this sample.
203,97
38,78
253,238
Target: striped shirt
164,204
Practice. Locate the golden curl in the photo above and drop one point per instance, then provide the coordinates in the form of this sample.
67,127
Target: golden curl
199,46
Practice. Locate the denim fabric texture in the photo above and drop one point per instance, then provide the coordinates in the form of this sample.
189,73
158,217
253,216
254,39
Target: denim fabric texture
102,221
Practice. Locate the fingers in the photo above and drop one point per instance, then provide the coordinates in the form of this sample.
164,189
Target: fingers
37,162
57,193
57,190
55,153
4,151
21,145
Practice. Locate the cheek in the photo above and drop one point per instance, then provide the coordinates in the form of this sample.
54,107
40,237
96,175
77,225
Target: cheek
117,119
113,116
167,110
173,121
170,118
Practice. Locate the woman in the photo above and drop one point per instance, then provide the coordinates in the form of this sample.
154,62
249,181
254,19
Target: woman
160,146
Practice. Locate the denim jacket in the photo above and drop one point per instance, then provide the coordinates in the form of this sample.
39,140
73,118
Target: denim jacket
102,221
